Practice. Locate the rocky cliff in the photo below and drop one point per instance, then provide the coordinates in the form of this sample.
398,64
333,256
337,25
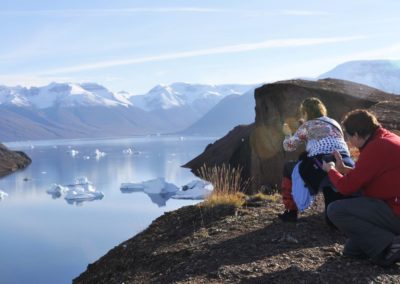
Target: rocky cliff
258,147
12,160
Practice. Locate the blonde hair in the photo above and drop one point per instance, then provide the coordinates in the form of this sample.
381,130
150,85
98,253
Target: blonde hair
313,108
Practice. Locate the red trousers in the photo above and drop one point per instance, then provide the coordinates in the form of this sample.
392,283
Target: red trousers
286,191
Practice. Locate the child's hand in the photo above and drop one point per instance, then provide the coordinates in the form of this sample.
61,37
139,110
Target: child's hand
328,166
286,130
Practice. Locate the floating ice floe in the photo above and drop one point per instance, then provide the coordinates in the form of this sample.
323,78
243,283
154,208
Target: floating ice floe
197,189
160,191
86,157
154,186
130,151
73,152
157,189
81,190
98,154
3,195
57,190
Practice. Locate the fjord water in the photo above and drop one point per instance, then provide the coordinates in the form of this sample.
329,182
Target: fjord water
46,240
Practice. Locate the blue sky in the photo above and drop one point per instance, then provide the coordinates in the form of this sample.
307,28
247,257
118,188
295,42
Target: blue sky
135,45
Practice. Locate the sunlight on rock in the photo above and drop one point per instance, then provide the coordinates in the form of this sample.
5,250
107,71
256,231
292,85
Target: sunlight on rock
266,141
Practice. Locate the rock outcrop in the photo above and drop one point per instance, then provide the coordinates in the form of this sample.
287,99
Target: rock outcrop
12,160
258,147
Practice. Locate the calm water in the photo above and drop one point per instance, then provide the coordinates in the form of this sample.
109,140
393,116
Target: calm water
45,240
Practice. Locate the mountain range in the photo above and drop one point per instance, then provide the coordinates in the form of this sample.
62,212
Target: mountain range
71,110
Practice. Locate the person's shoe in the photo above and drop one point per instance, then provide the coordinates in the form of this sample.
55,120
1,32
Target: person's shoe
350,250
288,216
329,222
392,255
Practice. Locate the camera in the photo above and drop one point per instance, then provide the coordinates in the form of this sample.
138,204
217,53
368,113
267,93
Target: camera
328,158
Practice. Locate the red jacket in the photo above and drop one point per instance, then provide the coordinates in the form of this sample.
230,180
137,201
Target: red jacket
377,170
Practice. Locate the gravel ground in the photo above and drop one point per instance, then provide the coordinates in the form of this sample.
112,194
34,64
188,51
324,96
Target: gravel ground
224,244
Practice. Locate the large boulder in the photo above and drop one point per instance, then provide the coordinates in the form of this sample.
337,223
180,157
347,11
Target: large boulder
12,160
260,151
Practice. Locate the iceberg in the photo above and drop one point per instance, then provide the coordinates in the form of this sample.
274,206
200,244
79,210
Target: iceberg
98,154
157,189
154,186
130,151
73,152
196,189
3,195
78,192
160,191
57,190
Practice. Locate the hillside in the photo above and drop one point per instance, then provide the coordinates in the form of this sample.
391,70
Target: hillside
228,113
227,245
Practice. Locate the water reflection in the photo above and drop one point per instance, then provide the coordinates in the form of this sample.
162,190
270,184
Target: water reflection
48,241
157,198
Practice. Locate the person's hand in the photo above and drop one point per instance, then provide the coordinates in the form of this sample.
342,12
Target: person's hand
286,130
339,161
328,166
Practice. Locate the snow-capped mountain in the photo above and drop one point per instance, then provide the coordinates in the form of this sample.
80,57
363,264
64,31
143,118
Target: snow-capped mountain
70,110
182,104
61,95
201,98
380,74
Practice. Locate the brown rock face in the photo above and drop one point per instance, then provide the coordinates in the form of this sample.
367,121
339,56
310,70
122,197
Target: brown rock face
261,153
12,160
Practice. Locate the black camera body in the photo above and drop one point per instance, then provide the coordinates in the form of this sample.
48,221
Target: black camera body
329,158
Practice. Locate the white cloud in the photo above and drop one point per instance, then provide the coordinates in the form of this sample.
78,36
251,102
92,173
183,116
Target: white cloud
243,47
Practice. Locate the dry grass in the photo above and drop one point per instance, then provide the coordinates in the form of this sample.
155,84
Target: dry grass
228,185
276,197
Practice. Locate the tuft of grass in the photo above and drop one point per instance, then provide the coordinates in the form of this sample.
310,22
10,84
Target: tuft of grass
235,199
228,185
276,197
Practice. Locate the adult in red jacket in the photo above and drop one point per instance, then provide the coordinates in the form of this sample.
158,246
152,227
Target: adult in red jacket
372,221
